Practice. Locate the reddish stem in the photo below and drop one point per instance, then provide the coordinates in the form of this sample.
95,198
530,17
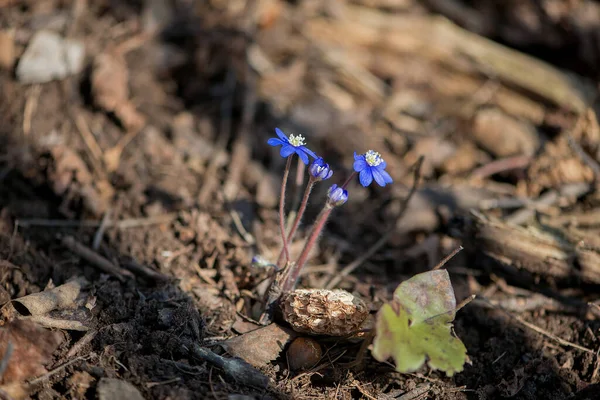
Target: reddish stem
284,250
295,269
345,185
301,210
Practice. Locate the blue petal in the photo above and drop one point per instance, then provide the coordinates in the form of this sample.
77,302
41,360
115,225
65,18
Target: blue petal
359,156
382,165
287,150
387,177
309,152
302,155
365,177
378,175
328,175
360,164
281,135
275,142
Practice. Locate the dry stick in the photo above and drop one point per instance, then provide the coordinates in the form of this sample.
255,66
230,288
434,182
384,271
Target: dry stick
56,370
122,224
95,259
348,269
448,258
547,199
536,328
100,231
148,272
87,338
501,165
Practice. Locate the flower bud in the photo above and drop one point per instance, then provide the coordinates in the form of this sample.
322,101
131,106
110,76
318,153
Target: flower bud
336,196
320,170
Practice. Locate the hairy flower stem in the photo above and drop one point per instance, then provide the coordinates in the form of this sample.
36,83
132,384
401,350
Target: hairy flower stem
345,185
299,215
300,168
284,249
295,269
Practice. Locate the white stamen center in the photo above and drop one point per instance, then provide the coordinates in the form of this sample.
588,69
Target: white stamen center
373,158
296,140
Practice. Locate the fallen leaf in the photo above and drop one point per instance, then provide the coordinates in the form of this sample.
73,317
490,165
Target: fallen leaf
30,347
417,325
261,346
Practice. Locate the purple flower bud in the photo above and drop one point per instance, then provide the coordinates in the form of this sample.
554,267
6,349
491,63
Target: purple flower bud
336,196
320,170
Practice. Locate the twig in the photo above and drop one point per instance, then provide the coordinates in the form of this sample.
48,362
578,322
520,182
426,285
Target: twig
88,137
501,165
56,370
148,272
448,258
87,338
30,106
237,221
547,199
236,369
100,231
123,224
95,259
386,236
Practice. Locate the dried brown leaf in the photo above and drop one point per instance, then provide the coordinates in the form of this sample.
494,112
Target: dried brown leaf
31,346
261,346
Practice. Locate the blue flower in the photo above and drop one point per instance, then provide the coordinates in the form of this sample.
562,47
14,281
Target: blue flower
337,195
320,170
295,144
371,166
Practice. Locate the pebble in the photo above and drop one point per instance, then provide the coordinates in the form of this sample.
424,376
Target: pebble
304,353
116,389
48,57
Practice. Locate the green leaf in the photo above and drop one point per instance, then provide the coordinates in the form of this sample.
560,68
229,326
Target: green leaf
417,325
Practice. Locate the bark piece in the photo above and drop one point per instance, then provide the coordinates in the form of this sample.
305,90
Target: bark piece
323,312
544,252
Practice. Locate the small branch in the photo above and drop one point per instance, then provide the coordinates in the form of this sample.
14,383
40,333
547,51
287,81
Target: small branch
95,259
448,258
234,368
123,224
